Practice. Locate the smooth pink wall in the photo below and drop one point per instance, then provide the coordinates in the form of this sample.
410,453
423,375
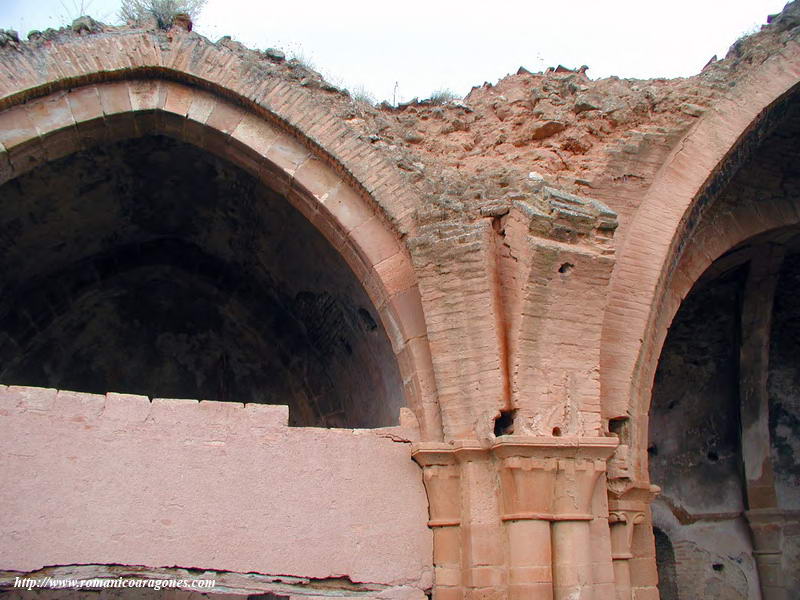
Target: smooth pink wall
118,479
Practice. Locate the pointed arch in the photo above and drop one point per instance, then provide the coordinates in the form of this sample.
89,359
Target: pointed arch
698,167
57,100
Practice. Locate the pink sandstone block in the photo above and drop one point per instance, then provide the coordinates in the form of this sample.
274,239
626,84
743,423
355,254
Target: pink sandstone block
376,240
126,407
50,114
287,154
26,398
115,98
347,207
269,414
175,410
212,411
396,273
317,177
76,404
225,117
178,99
255,133
145,95
16,128
201,106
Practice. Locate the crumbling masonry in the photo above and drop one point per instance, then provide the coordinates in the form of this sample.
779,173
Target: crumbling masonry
542,343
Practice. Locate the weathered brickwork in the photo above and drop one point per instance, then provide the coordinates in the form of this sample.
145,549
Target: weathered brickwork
561,288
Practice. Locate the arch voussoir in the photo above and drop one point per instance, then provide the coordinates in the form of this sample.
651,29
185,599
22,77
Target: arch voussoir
274,131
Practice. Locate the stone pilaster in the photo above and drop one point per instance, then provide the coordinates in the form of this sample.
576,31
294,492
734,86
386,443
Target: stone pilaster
573,560
769,527
540,493
483,557
528,488
442,478
626,511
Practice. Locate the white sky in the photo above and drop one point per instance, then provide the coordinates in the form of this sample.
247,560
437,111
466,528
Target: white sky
427,45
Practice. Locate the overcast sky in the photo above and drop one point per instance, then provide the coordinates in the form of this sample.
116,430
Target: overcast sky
418,46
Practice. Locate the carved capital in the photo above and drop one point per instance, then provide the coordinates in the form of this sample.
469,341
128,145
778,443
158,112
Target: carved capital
528,486
442,478
575,486
627,508
767,525
622,523
549,478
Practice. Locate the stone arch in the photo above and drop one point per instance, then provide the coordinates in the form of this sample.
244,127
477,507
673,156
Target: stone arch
704,367
270,128
749,223
697,168
695,425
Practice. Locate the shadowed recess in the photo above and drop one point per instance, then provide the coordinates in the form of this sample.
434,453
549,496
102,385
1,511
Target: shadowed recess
152,267
725,397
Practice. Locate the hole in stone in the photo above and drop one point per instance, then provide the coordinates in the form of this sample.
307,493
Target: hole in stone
712,456
620,427
557,431
652,450
672,405
718,566
504,424
497,226
566,267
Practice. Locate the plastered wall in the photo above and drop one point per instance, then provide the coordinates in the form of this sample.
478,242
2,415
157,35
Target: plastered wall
90,479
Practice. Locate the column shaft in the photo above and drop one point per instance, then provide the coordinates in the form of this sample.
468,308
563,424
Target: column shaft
756,323
530,568
572,561
759,295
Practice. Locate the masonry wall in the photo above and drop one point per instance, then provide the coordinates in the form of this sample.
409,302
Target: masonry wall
90,479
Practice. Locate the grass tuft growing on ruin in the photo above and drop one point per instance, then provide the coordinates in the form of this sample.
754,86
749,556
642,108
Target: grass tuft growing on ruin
443,96
360,94
163,11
